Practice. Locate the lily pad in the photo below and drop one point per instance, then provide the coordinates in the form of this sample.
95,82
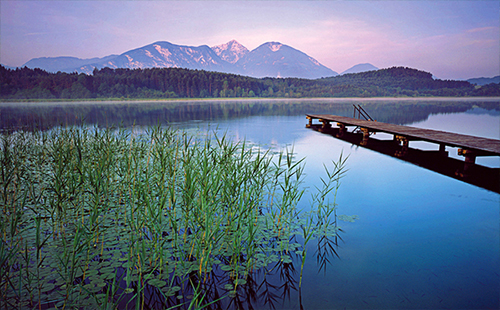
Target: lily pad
175,288
241,281
167,291
157,283
226,267
47,287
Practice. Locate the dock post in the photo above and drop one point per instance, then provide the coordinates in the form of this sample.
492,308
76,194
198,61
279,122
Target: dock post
404,146
470,161
366,135
326,125
342,130
442,150
310,122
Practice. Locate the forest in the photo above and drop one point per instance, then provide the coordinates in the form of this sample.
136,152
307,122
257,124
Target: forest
106,83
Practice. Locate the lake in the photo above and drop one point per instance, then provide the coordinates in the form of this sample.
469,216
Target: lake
422,240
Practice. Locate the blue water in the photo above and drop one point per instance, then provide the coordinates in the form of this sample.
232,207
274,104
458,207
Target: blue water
422,240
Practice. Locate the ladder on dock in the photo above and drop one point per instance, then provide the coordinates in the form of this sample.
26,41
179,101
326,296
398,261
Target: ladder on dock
361,112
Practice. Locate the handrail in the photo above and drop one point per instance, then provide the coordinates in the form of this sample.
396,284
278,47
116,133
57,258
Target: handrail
361,112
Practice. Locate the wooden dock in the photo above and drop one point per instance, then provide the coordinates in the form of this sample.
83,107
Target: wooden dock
468,146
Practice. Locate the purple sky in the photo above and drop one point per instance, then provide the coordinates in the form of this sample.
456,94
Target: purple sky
451,39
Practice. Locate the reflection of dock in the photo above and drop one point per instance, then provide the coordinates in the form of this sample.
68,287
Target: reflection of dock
469,146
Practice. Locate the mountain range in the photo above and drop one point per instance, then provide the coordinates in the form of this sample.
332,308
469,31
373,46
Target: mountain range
271,59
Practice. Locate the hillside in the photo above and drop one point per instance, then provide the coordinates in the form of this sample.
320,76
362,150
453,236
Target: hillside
28,83
402,81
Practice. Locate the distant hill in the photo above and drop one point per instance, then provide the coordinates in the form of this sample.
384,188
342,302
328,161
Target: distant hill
271,59
360,68
64,64
402,81
484,81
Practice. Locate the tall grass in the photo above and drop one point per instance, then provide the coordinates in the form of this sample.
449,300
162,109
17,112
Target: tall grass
97,218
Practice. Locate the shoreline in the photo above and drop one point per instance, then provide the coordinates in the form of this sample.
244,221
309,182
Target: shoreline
235,99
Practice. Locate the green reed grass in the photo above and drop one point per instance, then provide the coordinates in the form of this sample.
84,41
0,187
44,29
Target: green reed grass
92,218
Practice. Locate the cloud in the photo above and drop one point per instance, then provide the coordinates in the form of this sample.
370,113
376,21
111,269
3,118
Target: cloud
483,29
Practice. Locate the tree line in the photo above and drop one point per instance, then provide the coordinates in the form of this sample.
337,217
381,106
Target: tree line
25,83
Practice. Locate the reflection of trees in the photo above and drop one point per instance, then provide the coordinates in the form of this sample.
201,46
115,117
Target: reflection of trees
45,116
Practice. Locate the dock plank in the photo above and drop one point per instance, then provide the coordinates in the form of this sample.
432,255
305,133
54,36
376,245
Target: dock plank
486,146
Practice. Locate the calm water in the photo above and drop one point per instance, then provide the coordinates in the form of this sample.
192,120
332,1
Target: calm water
422,240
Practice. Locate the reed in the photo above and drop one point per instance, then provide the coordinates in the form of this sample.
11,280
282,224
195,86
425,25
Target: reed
105,218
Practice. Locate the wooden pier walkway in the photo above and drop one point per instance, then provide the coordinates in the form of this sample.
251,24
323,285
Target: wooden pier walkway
470,146
437,160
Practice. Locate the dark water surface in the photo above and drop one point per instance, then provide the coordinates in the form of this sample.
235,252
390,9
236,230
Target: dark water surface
422,240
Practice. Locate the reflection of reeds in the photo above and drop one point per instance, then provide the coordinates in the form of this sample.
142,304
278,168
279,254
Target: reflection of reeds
108,219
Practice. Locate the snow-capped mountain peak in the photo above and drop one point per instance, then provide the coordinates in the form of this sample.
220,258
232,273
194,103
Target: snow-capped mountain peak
231,51
271,59
274,46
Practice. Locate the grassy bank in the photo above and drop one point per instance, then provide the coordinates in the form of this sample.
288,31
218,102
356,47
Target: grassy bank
116,219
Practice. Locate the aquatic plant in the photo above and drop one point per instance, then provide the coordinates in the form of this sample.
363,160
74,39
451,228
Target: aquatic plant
103,218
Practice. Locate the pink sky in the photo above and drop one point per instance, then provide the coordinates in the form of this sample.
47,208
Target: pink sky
450,39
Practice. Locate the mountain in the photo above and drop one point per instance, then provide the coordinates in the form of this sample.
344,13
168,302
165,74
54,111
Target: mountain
64,64
231,52
166,55
360,68
273,59
484,81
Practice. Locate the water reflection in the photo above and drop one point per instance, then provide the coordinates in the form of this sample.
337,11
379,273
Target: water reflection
422,240
434,160
43,116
